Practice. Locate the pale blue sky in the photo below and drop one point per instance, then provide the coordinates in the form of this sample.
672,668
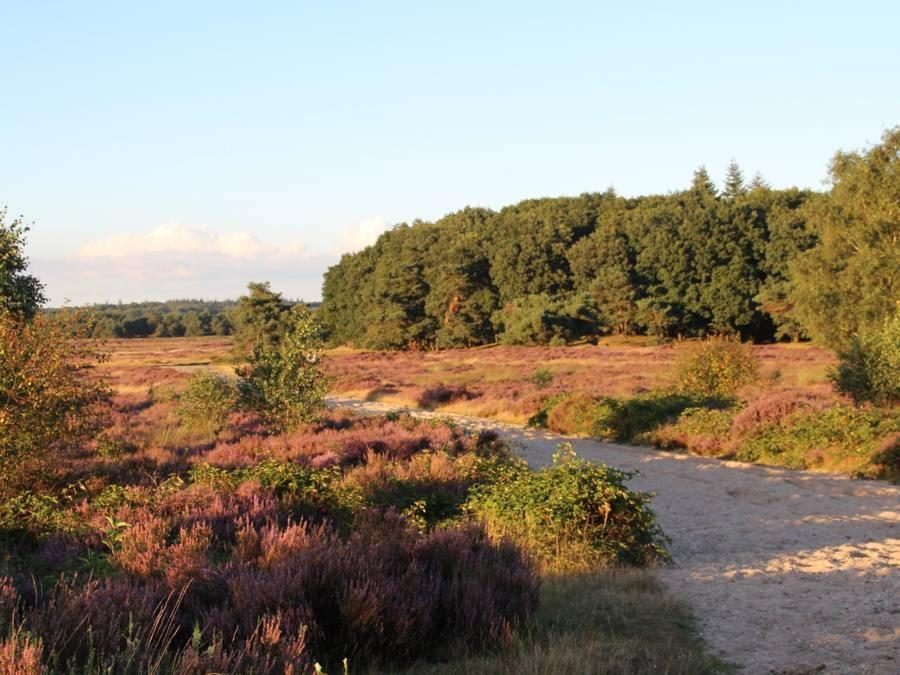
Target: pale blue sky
182,148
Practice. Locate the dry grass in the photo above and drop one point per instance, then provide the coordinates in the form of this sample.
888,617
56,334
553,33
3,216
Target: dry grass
609,622
501,384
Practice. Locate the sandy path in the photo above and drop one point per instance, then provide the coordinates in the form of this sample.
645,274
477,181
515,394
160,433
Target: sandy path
787,571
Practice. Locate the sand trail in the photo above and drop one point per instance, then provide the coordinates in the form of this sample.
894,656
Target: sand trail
787,571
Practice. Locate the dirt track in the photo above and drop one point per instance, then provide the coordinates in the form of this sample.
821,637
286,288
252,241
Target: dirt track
787,571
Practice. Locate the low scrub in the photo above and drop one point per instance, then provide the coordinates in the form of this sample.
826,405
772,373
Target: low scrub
440,394
50,400
862,441
869,369
716,367
571,515
619,419
796,429
275,563
206,402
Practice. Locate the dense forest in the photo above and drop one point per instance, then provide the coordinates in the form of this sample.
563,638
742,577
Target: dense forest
745,259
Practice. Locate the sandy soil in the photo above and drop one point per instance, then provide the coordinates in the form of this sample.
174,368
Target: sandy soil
787,571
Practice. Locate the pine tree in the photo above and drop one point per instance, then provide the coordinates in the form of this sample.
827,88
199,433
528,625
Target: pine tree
702,183
734,181
758,182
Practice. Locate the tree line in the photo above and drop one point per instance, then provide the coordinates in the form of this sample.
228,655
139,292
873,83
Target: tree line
746,259
172,318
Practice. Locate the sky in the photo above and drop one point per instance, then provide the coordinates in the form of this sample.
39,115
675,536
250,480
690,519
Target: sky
181,149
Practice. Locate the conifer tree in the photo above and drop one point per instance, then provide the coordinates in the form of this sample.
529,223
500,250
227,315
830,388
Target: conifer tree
734,181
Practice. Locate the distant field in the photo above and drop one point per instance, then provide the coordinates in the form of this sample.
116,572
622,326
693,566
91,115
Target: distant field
495,382
789,416
500,382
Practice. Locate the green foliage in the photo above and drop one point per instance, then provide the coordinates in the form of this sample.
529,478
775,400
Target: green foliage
557,270
571,515
111,447
848,284
284,382
627,419
704,421
40,514
49,400
173,318
259,318
21,294
869,369
716,367
207,401
542,378
540,319
461,294
842,438
315,490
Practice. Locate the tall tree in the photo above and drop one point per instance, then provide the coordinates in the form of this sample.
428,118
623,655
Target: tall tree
461,296
260,317
734,181
702,183
21,294
850,281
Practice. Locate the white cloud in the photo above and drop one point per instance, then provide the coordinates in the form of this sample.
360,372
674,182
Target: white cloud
176,238
175,260
364,233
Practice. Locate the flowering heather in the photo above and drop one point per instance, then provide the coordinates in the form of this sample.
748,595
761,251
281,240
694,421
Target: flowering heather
164,548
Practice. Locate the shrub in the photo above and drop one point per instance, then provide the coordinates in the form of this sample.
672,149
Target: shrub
49,400
284,383
281,596
869,369
622,419
703,431
441,394
716,367
20,655
571,515
575,414
542,378
206,402
773,408
841,438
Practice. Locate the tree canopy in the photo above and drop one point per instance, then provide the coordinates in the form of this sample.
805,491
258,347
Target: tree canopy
21,294
747,259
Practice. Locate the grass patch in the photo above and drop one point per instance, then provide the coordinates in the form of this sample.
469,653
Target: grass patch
608,622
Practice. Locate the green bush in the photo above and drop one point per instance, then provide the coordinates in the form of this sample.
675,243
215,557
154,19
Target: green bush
716,367
573,414
840,438
573,514
284,383
49,401
869,369
207,401
620,419
542,378
703,431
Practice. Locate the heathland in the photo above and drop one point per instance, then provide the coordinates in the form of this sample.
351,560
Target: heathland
192,505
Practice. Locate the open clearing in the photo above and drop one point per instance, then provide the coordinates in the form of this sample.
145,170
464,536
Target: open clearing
787,571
